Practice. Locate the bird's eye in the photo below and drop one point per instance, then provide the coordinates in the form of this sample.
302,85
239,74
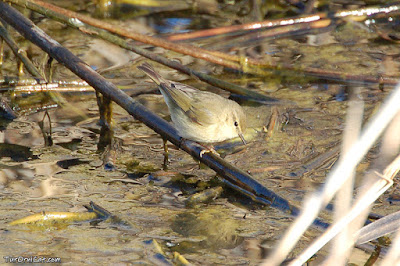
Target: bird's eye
236,124
173,85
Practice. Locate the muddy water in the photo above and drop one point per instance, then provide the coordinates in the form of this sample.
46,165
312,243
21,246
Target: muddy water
151,203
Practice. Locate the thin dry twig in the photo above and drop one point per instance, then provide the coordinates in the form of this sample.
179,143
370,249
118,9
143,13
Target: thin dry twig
318,200
353,14
240,63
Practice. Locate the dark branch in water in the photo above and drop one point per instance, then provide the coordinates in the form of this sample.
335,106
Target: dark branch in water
232,176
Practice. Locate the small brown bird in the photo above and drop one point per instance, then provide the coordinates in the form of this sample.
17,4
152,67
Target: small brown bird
199,115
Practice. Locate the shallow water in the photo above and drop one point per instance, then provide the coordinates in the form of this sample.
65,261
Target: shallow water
230,229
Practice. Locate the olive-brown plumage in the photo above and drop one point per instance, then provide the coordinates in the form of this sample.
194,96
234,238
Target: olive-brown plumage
199,115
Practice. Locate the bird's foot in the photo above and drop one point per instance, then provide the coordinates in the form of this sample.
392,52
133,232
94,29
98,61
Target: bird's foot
208,149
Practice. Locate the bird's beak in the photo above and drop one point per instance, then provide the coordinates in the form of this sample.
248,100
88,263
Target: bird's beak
242,138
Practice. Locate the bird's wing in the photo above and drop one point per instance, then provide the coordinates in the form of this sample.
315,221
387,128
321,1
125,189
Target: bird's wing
197,106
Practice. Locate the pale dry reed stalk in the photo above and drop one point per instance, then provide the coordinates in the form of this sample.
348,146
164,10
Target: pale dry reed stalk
315,202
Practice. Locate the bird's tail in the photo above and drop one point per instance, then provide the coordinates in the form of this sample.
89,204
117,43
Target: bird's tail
149,71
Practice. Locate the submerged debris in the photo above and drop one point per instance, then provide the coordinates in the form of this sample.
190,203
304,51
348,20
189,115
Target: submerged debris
205,196
48,219
53,218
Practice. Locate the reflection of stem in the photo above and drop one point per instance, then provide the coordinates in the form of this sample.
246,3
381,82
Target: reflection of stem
105,111
272,122
50,128
48,141
50,64
108,146
166,154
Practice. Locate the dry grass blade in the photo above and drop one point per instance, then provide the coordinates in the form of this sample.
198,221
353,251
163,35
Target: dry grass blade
364,202
344,197
315,202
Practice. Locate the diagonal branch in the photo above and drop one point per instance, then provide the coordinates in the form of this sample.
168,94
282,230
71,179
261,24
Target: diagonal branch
231,175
